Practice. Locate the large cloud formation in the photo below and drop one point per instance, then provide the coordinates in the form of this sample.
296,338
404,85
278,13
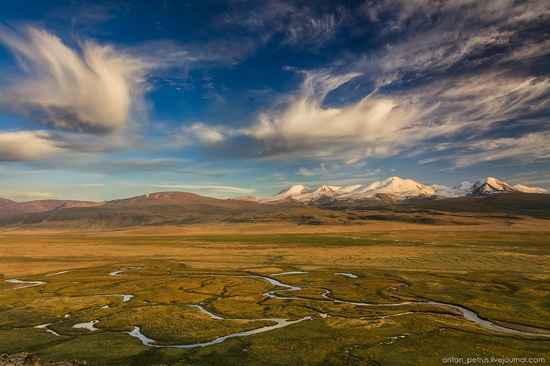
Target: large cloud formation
92,89
443,75
384,125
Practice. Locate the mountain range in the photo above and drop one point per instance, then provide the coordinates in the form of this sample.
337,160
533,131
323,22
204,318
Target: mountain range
395,188
391,189
393,199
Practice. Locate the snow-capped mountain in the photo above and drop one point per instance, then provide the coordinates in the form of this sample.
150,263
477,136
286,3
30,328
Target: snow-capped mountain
398,189
294,190
326,189
485,186
303,193
491,185
525,189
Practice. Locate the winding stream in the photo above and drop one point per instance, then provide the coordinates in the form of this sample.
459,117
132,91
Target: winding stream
350,275
125,298
124,269
279,322
25,283
287,273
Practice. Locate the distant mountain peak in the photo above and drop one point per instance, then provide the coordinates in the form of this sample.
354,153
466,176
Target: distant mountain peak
399,186
394,179
327,189
295,189
491,185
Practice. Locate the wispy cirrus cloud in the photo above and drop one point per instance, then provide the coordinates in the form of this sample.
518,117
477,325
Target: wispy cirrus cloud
92,88
208,135
312,172
88,185
529,148
215,175
431,37
532,177
299,24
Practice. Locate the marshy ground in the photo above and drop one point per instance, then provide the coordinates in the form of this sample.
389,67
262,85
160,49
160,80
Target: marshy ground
67,279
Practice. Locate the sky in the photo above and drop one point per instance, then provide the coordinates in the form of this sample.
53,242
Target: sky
109,99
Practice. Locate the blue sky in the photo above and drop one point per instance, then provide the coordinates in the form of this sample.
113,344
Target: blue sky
109,99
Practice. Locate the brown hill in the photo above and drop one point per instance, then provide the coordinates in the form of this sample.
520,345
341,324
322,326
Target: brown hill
162,198
9,206
167,208
6,203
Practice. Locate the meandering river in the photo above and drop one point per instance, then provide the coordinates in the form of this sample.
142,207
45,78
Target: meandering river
468,314
280,323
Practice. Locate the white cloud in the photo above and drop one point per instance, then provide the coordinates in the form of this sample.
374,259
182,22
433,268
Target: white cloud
528,148
27,145
37,195
92,89
381,125
208,135
305,124
320,170
89,185
205,188
36,145
274,176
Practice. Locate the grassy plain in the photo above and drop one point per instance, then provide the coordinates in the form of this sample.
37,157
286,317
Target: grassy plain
499,270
